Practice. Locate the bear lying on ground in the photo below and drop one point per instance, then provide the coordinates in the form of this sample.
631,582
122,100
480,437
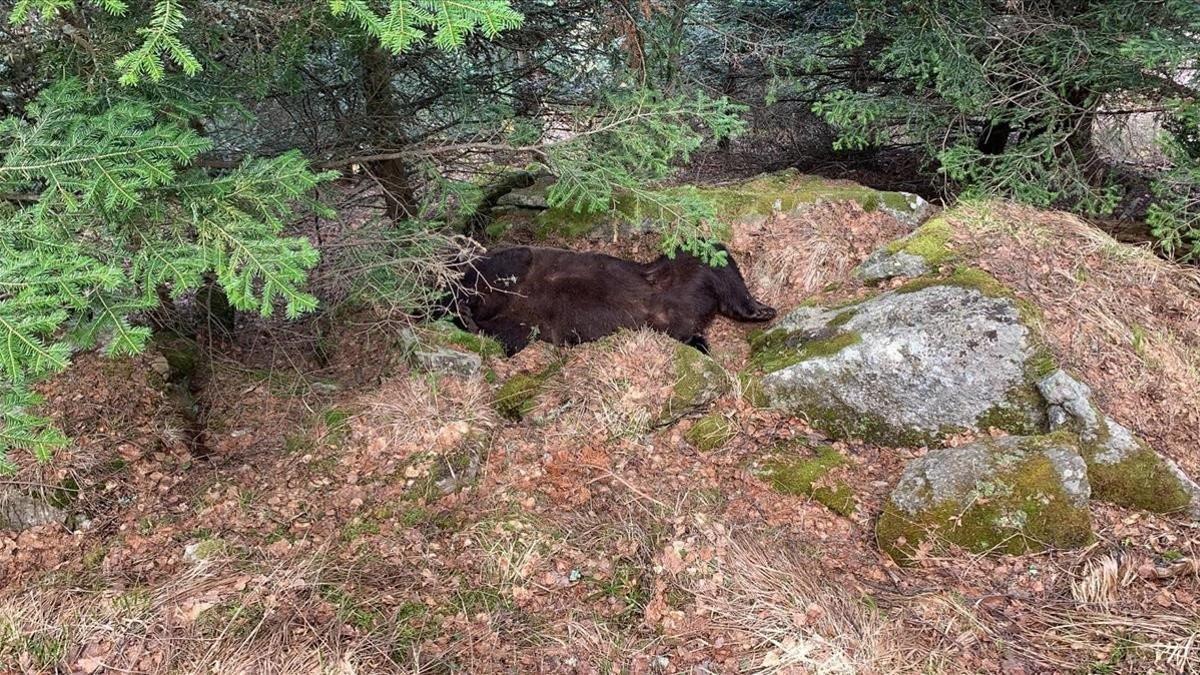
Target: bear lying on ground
565,297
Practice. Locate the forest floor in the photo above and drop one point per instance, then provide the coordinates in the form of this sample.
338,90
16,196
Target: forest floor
310,536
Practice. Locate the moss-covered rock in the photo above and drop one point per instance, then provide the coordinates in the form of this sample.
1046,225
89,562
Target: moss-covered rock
782,191
710,432
698,381
1122,468
516,397
791,473
444,348
1007,495
918,254
908,367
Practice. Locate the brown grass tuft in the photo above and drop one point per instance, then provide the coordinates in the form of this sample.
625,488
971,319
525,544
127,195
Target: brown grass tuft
615,388
790,256
797,622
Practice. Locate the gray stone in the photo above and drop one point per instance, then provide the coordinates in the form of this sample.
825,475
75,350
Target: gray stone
1069,400
1128,471
438,359
532,197
916,213
905,368
443,360
1009,495
20,511
884,264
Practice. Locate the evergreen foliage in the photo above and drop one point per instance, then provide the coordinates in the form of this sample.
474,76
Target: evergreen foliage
1005,97
151,149
635,138
109,213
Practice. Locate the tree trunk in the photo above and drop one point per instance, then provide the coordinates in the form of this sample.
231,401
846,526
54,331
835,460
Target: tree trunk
393,175
218,312
1080,139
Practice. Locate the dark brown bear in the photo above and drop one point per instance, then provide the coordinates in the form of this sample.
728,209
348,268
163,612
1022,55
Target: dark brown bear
524,293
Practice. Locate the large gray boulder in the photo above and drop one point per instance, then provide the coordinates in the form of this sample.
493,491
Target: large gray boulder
1009,495
906,368
1123,469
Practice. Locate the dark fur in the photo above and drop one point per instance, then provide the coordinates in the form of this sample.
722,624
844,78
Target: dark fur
564,297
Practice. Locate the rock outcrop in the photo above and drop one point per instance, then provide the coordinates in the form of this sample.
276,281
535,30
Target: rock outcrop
1123,469
1009,495
785,191
908,367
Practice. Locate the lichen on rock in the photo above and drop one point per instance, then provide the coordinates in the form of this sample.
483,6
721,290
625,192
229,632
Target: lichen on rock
908,367
916,255
442,348
1007,495
1123,469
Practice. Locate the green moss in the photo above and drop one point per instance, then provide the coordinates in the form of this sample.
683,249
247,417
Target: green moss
794,475
788,190
751,387
963,277
569,223
1023,509
710,432
1140,481
479,344
183,356
775,350
931,241
516,397
842,317
1021,413
697,379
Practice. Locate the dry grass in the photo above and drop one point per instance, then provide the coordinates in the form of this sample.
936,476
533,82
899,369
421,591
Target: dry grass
798,622
616,388
788,257
214,616
1065,635
416,412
